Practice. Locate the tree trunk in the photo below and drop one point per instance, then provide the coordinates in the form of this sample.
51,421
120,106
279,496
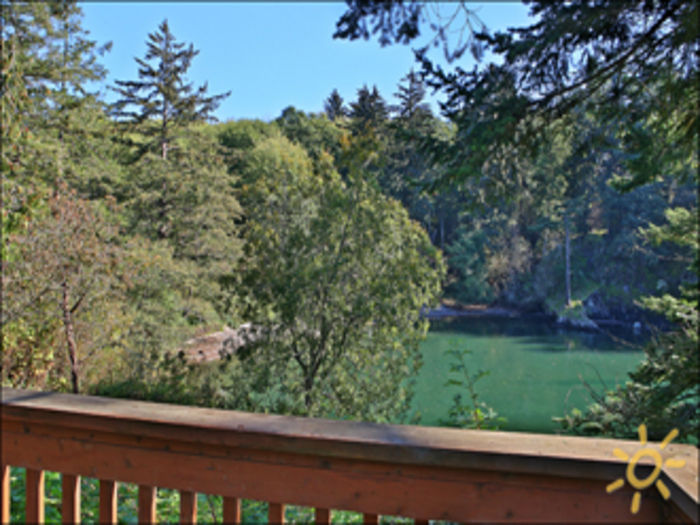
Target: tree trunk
70,338
567,258
164,131
308,385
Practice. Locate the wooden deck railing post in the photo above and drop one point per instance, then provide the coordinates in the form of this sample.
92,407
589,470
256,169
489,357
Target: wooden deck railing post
108,501
147,504
232,510
370,519
322,516
70,498
275,513
5,495
34,512
188,507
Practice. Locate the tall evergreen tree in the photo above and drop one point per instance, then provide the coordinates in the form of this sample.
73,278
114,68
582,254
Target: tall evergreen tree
369,110
162,94
411,95
334,106
47,60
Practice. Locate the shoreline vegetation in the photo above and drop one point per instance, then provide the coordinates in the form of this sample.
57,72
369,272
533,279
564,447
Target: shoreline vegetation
449,308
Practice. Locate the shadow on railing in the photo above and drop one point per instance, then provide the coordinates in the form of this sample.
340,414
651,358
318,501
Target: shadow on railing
419,472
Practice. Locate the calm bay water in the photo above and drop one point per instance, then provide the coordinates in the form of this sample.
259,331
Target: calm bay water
536,368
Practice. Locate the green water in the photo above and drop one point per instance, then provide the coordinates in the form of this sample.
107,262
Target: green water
535,368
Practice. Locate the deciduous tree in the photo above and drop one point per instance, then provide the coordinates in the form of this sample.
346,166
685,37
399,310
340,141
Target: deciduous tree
337,276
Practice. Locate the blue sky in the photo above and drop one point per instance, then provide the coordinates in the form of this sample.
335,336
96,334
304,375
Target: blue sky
269,55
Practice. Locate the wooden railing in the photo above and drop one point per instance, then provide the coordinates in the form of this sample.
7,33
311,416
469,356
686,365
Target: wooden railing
418,472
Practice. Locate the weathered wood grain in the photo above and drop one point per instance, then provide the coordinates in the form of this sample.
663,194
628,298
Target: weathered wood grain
34,496
232,510
322,516
108,501
275,513
147,504
5,494
188,506
70,498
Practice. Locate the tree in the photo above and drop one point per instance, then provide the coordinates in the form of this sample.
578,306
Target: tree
61,285
187,201
638,58
315,133
334,106
411,96
179,191
369,111
336,276
162,95
663,391
47,59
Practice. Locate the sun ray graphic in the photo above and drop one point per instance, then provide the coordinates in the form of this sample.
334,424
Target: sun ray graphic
669,437
642,434
621,454
640,484
663,489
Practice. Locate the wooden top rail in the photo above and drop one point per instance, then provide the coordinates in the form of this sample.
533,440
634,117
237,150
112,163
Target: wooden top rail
420,472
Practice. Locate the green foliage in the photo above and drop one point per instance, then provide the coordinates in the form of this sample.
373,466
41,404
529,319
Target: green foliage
334,107
469,413
61,282
326,260
163,101
369,111
243,134
636,63
467,256
316,134
238,137
663,392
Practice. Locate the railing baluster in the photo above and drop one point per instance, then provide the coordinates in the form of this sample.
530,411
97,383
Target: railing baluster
421,522
70,498
188,507
5,495
34,512
275,513
371,519
232,510
108,501
147,504
322,516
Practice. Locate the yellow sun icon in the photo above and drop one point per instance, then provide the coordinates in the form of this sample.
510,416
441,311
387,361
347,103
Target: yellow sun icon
641,484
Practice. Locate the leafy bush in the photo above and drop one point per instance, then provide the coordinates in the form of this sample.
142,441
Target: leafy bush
469,413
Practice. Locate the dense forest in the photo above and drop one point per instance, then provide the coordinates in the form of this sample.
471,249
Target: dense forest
563,181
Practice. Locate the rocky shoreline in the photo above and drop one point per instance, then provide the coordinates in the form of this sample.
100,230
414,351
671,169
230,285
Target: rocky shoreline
454,310
443,311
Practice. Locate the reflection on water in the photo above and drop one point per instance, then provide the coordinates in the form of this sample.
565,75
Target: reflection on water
537,369
545,336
